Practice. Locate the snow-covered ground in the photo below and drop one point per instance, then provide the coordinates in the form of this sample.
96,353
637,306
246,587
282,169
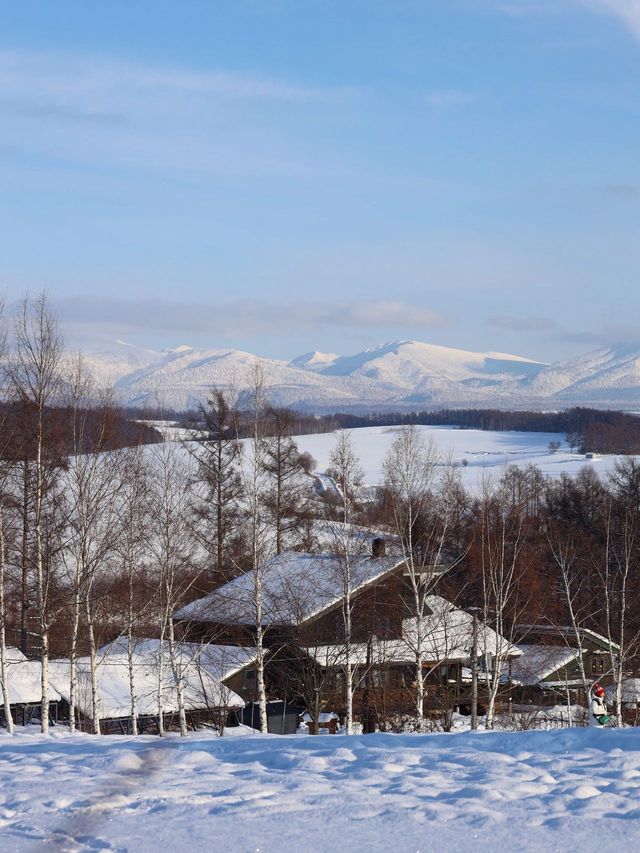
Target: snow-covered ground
569,790
480,453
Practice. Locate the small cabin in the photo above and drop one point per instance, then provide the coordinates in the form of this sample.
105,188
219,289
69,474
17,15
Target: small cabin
24,678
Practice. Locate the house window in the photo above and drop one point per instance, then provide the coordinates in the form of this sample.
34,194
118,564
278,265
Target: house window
597,665
382,627
379,677
250,679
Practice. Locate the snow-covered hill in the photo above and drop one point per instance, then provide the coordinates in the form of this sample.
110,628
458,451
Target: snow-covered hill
399,375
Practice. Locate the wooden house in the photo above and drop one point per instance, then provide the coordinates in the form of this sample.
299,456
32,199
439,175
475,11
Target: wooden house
548,670
303,599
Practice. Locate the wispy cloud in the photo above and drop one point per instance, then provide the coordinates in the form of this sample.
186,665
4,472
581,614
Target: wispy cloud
72,75
451,98
622,190
628,11
550,329
526,8
189,122
241,318
521,324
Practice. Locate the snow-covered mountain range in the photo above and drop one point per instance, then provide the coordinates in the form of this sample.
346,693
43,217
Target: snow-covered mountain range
396,375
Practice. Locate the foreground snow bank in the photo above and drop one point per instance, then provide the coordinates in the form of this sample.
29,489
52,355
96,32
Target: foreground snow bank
576,789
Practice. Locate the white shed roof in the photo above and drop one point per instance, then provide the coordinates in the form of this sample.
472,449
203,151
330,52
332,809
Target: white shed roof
202,689
24,678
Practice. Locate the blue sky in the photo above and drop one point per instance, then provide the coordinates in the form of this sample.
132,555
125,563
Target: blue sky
286,175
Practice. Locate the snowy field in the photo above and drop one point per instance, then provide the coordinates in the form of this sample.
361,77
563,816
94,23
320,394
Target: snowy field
480,453
569,790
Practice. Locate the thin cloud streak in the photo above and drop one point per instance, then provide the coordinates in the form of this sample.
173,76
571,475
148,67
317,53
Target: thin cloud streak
240,318
628,11
546,327
68,75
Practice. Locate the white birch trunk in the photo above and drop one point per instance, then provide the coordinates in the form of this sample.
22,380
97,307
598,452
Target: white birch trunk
41,593
133,696
73,655
93,668
179,680
4,669
262,691
348,686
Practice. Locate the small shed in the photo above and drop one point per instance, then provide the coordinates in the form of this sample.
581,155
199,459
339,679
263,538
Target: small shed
207,700
24,678
282,719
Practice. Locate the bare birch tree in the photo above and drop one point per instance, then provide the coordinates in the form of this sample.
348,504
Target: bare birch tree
617,572
135,531
255,487
173,555
346,470
34,373
409,470
4,473
502,536
573,583
4,667
93,487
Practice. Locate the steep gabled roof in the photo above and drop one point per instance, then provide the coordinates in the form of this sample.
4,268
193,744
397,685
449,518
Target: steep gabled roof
295,588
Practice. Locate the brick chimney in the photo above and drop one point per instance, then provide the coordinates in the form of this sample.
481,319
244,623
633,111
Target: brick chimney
378,548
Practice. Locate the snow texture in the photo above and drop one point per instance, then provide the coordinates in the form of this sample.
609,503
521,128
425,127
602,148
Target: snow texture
538,662
480,456
568,790
295,586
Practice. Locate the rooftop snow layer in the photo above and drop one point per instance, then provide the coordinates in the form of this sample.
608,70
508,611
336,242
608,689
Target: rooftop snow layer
447,636
151,668
537,662
295,586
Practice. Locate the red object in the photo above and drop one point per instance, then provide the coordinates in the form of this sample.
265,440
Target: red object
598,690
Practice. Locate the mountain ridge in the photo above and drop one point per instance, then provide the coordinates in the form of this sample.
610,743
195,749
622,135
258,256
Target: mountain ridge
396,374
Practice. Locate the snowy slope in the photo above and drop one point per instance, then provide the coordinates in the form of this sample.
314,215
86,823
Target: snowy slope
478,455
400,374
566,790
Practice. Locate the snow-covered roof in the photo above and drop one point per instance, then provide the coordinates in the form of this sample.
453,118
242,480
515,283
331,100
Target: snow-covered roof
220,661
447,636
295,587
24,678
328,532
14,654
202,689
630,691
538,662
568,633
